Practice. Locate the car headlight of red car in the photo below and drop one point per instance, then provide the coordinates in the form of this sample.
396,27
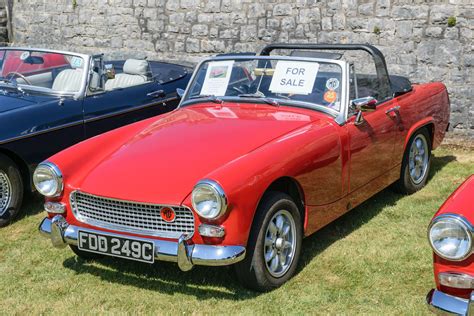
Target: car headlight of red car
208,199
48,179
450,237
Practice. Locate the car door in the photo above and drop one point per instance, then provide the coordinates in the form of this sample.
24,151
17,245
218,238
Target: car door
106,110
372,142
111,109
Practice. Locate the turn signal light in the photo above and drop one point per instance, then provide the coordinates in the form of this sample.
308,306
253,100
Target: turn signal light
55,207
456,280
206,230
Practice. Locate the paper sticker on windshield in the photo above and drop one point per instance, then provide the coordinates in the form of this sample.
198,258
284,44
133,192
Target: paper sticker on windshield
24,55
217,78
294,77
330,96
76,62
332,84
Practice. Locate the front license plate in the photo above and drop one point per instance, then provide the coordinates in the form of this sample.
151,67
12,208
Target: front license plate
127,248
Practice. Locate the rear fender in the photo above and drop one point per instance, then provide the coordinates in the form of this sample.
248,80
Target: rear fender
424,122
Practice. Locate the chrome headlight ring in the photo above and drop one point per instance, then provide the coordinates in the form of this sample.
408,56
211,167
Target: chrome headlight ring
209,199
48,179
450,237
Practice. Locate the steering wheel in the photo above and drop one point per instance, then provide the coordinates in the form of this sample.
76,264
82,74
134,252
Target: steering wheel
17,74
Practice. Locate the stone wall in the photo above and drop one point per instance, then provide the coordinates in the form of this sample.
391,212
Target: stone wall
3,23
425,40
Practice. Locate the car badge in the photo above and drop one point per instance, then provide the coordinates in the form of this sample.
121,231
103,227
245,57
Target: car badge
168,214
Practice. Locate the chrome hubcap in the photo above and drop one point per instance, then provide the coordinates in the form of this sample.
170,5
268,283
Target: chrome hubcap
280,243
5,192
418,159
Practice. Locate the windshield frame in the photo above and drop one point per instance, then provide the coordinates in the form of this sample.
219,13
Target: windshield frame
75,95
340,116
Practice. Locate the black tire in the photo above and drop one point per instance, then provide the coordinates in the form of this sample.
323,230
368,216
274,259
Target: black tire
406,184
10,178
253,271
85,255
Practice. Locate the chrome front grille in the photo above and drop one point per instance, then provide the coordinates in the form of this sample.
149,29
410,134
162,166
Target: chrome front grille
133,217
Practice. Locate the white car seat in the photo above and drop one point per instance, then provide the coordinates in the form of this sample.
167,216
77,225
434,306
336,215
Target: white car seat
135,72
68,80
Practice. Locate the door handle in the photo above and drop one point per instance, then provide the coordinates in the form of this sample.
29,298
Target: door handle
394,109
157,94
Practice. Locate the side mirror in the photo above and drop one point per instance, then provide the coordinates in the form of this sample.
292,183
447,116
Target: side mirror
180,92
360,105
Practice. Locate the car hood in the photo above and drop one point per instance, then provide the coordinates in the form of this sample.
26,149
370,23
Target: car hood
10,102
163,161
460,201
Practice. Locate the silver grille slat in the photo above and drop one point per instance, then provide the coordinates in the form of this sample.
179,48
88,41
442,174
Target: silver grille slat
133,217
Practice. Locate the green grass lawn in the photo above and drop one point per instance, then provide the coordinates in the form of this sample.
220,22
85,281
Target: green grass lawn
373,260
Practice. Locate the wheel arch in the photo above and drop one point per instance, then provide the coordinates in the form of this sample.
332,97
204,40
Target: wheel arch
425,123
22,166
292,187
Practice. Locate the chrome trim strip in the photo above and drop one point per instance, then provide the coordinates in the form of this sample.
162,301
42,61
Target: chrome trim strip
463,221
100,117
124,228
197,254
41,132
86,121
444,304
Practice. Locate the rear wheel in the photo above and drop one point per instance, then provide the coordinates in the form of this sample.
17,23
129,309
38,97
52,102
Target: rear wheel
85,255
11,190
274,244
416,163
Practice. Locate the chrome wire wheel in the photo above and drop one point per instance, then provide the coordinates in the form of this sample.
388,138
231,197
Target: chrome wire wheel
280,243
418,159
5,192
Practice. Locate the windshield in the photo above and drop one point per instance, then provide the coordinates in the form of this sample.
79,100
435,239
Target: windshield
51,71
286,81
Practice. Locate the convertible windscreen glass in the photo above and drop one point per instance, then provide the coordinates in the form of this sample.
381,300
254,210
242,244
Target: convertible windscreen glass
48,71
282,81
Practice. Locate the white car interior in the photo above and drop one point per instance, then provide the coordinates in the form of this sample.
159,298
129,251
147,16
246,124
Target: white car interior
135,72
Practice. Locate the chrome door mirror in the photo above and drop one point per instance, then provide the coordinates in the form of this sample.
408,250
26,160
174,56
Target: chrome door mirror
360,105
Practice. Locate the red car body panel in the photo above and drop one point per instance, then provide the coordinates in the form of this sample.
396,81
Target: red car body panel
246,148
461,202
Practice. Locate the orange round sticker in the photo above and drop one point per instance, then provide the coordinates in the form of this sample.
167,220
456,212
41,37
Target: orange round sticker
330,96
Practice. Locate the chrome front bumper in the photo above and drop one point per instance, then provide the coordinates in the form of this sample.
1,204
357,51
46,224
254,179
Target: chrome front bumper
182,252
444,304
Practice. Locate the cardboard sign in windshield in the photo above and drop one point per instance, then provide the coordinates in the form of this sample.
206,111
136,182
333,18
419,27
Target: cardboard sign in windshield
295,77
217,78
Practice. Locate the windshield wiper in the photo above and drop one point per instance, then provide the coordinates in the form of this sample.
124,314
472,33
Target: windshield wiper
208,97
261,96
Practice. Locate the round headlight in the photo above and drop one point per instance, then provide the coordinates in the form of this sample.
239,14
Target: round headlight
208,199
450,237
48,179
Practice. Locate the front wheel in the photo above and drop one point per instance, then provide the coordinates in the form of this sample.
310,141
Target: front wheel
274,245
11,190
416,163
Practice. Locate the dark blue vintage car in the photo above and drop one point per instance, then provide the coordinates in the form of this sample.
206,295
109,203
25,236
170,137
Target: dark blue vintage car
50,100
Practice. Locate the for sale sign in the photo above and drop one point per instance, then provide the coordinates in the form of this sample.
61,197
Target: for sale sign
295,77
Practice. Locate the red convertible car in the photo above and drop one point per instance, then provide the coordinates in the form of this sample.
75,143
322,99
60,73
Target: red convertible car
450,234
262,151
